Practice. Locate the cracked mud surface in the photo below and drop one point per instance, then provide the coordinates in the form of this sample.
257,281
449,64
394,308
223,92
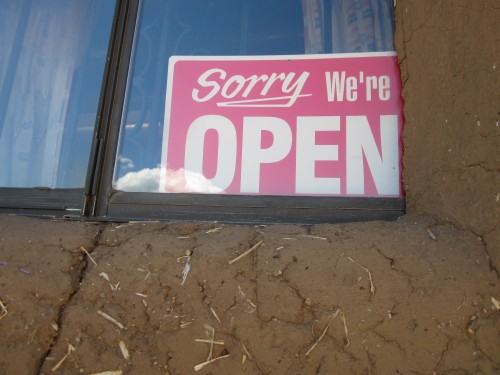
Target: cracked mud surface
412,296
381,297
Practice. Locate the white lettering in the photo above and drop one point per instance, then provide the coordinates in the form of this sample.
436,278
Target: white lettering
308,152
240,82
384,91
253,155
371,84
338,85
335,86
361,149
288,85
384,166
253,80
273,78
383,86
226,154
202,81
215,80
351,89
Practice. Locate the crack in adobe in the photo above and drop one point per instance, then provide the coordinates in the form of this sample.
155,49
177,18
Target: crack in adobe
485,247
441,356
78,279
371,362
391,260
253,358
320,364
389,341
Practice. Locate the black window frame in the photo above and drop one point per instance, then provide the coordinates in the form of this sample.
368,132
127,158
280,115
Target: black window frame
99,201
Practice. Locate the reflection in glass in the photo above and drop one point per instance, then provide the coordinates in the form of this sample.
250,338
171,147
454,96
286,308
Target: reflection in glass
225,28
51,67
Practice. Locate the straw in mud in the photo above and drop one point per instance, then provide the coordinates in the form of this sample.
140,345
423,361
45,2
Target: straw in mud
200,366
88,254
342,315
323,333
3,310
213,230
246,252
210,333
325,330
431,235
71,349
124,350
215,314
216,342
496,303
247,353
372,287
314,237
114,287
110,319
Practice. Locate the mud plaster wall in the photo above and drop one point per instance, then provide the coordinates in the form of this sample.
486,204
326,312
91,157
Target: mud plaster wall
450,65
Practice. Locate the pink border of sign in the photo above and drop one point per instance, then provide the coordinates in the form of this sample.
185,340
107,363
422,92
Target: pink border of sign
333,94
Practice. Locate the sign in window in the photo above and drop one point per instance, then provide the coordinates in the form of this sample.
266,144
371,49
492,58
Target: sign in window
263,97
297,125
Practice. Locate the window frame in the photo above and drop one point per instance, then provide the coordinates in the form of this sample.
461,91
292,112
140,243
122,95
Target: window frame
64,202
99,201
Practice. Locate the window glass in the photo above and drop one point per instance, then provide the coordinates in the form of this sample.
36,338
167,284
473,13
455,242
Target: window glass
228,28
51,68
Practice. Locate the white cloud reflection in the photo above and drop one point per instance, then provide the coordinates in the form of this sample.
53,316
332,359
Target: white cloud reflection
145,180
148,180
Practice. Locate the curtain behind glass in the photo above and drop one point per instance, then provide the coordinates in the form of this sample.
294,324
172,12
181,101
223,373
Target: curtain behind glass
356,26
362,25
45,59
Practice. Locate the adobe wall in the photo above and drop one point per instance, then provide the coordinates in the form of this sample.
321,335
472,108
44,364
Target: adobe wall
450,63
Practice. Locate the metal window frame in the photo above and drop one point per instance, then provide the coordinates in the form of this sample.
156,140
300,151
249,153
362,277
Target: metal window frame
75,203
99,201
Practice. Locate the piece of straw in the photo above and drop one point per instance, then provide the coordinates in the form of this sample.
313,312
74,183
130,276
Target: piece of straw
431,235
314,237
372,287
124,350
246,252
215,314
246,351
462,304
110,319
213,230
199,366
185,324
218,342
322,333
90,257
210,332
496,303
116,372
71,349
3,310
342,315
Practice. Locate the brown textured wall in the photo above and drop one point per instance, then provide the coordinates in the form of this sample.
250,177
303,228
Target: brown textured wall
449,53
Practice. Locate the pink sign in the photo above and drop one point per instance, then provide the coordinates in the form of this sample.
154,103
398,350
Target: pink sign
327,125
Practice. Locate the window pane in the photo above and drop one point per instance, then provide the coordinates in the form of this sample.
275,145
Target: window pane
228,28
51,68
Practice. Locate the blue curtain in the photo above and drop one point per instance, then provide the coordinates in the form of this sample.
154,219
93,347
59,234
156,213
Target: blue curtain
362,25
348,26
44,49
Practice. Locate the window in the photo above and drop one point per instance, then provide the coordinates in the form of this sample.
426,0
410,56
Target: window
86,107
228,28
51,71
